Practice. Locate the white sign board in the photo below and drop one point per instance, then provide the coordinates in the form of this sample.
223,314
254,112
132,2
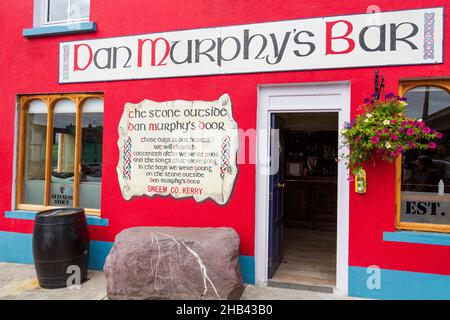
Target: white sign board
378,39
178,148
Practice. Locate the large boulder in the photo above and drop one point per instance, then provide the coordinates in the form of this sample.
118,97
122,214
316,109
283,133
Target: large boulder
174,263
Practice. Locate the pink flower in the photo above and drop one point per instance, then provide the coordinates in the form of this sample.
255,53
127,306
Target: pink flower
375,139
426,130
411,145
394,137
358,139
432,145
400,130
439,135
410,131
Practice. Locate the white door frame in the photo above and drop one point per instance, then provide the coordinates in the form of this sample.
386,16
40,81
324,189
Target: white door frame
309,97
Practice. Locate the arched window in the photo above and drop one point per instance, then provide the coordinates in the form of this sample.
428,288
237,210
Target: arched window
63,153
424,175
34,144
60,152
91,153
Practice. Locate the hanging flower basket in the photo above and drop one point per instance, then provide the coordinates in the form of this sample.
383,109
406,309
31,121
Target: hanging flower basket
382,131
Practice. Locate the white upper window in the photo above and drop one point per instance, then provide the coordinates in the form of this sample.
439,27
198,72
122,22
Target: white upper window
57,12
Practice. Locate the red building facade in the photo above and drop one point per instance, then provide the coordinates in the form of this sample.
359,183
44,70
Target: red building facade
412,263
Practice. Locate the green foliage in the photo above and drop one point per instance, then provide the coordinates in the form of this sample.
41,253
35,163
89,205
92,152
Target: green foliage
381,130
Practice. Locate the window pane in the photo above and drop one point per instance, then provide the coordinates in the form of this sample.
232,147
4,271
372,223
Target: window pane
425,101
63,151
35,146
91,154
79,9
58,10
426,174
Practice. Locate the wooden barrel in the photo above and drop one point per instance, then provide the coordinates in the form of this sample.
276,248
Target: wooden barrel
60,245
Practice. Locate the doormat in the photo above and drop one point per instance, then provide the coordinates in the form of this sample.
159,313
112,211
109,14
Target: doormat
305,287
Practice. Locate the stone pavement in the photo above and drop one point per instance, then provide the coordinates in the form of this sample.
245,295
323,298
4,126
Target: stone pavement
19,282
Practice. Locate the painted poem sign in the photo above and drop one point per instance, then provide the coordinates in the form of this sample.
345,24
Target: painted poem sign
362,40
178,148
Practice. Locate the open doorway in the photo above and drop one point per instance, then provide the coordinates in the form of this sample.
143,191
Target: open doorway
303,199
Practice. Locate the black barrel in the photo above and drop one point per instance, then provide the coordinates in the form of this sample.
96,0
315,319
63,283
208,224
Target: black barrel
60,242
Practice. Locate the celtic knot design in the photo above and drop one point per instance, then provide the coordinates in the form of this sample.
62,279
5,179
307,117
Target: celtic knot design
66,62
225,156
126,169
428,44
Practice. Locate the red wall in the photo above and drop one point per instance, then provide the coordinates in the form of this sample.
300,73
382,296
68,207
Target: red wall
31,66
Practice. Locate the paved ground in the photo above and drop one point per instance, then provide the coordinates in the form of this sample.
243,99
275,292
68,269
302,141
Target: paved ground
18,282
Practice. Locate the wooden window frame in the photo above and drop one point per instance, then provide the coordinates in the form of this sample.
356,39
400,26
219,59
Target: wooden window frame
404,87
50,101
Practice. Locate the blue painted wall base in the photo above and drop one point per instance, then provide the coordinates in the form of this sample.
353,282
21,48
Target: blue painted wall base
395,285
17,248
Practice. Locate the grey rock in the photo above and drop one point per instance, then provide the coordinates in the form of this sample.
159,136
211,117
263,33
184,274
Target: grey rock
174,263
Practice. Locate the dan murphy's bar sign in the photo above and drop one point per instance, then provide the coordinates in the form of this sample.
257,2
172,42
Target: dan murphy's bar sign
380,39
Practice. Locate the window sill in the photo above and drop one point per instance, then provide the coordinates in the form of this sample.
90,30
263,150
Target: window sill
30,215
439,239
81,27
